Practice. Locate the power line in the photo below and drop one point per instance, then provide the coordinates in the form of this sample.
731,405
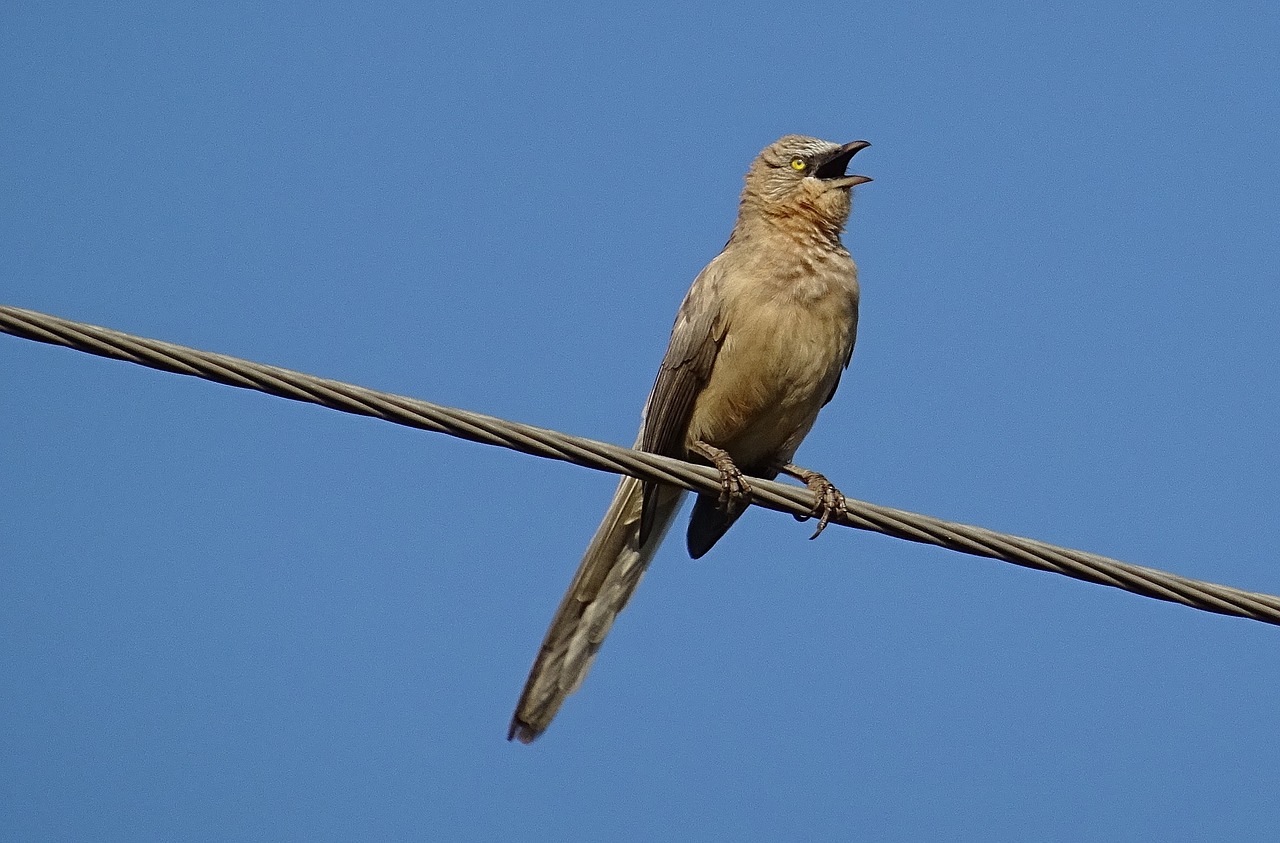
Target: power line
285,383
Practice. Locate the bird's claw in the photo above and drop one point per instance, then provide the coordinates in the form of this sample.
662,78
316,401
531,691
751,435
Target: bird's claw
827,499
735,491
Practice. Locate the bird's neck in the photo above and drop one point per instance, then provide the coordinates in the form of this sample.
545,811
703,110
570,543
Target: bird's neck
803,225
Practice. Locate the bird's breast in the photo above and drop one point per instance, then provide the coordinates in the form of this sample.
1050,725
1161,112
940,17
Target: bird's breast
783,350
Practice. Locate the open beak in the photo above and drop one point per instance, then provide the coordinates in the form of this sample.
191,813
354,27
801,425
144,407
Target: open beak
833,169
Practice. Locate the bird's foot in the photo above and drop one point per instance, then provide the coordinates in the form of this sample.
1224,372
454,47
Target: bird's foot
735,492
827,499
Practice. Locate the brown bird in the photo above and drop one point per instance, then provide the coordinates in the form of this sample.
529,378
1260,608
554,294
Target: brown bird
757,350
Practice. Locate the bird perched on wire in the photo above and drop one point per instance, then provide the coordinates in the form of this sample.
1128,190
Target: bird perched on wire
757,350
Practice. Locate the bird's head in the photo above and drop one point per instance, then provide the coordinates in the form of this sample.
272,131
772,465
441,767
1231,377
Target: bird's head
803,178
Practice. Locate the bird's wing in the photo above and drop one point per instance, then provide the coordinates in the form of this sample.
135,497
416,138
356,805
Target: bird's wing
635,522
848,355
695,340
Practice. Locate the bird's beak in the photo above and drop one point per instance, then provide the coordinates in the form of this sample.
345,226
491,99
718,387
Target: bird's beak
832,170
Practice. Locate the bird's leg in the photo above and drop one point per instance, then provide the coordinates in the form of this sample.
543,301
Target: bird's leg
735,493
827,499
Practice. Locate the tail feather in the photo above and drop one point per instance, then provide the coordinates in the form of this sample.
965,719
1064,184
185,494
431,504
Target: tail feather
610,570
710,521
707,524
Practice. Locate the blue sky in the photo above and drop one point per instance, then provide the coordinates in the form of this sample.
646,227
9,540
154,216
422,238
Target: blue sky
228,616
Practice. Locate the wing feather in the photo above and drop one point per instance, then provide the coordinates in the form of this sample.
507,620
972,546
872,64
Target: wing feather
695,341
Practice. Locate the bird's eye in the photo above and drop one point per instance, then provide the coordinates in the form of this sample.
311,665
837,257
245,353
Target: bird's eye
798,164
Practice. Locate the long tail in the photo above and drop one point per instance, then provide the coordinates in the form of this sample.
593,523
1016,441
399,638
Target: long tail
610,571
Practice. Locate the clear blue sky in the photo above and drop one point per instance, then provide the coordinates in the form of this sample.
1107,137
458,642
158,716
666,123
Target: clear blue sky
228,616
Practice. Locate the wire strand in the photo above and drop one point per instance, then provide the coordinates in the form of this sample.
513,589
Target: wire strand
488,430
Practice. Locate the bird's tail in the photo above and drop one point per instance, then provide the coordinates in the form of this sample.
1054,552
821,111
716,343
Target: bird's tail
610,571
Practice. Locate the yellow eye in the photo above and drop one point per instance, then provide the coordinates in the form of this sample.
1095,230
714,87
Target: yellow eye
798,164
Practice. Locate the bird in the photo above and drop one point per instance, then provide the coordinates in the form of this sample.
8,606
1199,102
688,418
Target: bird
758,347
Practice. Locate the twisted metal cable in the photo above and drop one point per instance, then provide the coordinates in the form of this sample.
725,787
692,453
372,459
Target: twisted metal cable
976,541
